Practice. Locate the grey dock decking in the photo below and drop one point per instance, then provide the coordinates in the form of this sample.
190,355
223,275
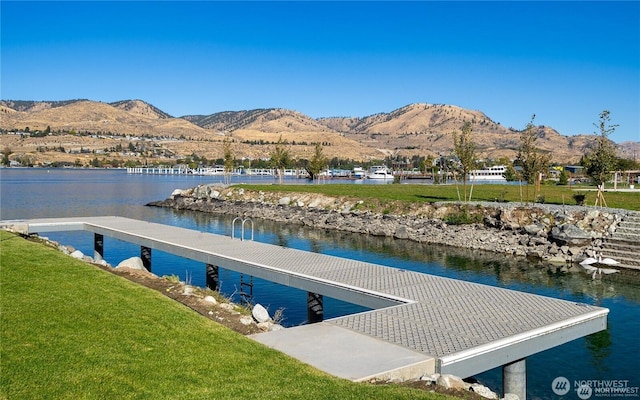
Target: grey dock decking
420,323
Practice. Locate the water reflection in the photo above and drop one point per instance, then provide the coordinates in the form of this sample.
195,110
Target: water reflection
599,345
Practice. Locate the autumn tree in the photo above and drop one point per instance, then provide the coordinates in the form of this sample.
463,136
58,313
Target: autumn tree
465,149
280,158
317,163
6,152
531,160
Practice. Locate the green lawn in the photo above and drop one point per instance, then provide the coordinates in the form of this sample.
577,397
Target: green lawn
553,194
69,330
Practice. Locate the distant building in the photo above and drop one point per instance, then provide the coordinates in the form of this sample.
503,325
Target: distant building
574,169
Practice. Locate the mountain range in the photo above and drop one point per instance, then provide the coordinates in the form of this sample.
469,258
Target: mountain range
416,129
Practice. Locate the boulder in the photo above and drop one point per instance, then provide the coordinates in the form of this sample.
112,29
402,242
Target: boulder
260,314
104,263
483,391
201,192
452,382
575,251
132,263
284,201
178,193
77,254
401,232
431,379
533,229
571,235
210,299
556,260
315,203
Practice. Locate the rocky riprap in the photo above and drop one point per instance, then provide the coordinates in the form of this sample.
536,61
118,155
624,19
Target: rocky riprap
554,233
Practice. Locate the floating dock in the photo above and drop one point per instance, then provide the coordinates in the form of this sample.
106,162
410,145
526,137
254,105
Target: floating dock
420,324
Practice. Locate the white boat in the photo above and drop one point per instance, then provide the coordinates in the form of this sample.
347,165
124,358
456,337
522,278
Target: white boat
358,172
379,172
495,173
216,170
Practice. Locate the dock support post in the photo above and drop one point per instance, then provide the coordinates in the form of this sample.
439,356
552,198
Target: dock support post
514,378
98,247
212,279
145,255
315,308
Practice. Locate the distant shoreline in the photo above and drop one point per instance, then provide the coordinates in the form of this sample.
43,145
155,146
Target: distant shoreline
507,228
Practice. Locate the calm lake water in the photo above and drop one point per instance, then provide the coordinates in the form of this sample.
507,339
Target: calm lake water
609,355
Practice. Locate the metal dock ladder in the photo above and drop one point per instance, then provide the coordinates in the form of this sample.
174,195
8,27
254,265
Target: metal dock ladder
246,287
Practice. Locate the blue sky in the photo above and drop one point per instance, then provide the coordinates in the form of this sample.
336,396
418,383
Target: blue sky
563,61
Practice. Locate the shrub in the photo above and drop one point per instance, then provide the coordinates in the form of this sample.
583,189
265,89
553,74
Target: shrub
580,198
462,217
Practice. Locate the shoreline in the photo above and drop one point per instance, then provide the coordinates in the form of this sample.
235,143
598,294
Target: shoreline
556,234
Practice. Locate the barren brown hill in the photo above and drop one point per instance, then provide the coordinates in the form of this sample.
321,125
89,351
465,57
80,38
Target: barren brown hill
31,105
427,129
417,129
96,117
257,131
254,133
140,107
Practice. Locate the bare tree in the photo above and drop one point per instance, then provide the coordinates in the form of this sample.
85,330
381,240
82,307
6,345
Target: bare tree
465,149
530,158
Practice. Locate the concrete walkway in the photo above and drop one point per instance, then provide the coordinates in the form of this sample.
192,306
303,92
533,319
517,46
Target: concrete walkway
347,354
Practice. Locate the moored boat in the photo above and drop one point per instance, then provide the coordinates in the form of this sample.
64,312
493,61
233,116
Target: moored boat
358,172
495,173
379,172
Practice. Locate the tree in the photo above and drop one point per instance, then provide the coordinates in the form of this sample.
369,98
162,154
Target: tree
510,173
6,152
280,158
564,177
427,164
602,158
317,163
530,159
465,149
228,161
